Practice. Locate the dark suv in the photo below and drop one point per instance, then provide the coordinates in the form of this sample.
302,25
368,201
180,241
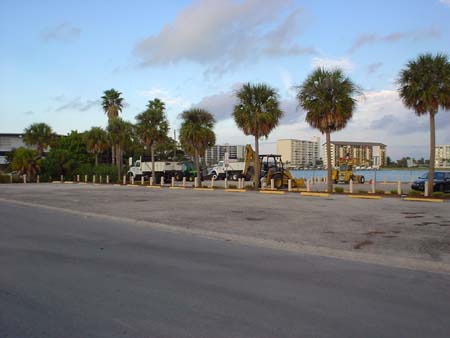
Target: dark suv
441,182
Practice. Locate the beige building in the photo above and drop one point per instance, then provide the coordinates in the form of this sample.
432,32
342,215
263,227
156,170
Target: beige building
368,154
299,153
442,153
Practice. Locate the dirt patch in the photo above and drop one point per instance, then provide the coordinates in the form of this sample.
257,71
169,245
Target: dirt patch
414,216
390,236
359,245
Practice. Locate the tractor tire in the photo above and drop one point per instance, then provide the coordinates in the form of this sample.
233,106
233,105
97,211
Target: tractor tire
278,178
362,180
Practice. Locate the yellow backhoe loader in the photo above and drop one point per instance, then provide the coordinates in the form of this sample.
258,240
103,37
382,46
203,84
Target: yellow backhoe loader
271,167
345,172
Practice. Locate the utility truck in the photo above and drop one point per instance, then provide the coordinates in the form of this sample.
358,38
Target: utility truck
233,171
166,169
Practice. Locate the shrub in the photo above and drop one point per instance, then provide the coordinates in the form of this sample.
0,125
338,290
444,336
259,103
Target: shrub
414,193
362,191
339,190
394,192
5,178
232,186
438,194
100,170
379,191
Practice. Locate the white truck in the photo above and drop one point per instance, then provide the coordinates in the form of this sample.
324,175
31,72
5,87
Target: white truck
233,171
162,169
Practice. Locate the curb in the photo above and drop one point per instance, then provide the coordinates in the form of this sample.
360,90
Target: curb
235,190
153,186
274,192
204,189
177,188
435,200
366,197
315,194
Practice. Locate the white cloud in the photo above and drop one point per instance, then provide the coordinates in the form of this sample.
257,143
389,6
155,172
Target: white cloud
369,39
445,2
64,32
223,34
380,117
172,101
328,63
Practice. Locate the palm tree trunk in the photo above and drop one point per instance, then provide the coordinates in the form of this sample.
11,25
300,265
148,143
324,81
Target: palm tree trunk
329,164
113,154
152,149
197,166
118,160
432,154
96,159
256,163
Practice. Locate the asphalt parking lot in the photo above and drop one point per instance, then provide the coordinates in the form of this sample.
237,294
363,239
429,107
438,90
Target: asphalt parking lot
376,230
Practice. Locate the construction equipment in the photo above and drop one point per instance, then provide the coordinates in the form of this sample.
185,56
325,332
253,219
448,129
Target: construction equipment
345,173
271,167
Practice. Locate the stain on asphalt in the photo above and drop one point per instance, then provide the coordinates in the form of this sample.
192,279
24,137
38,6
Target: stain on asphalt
359,245
375,232
254,218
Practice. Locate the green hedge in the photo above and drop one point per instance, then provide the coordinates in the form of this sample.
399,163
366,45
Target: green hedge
100,170
5,178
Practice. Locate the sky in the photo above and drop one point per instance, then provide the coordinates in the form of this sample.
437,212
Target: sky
57,58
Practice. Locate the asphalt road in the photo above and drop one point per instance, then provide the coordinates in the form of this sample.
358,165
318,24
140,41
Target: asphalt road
64,275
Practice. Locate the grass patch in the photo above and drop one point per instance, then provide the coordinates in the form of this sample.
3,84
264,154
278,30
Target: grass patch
362,192
379,191
232,186
394,192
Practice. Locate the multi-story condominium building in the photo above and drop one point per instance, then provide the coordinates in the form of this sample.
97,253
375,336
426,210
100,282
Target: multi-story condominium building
367,154
216,153
8,142
299,153
442,156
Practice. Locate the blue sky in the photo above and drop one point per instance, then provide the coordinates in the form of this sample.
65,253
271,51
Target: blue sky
57,57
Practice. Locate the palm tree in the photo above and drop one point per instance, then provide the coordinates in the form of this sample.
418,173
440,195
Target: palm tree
257,113
26,161
39,135
196,134
112,105
424,85
152,127
327,96
120,133
96,140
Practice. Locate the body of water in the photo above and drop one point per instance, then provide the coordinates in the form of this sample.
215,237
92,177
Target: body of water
379,175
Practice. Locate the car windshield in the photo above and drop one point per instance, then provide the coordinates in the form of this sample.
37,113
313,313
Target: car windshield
438,176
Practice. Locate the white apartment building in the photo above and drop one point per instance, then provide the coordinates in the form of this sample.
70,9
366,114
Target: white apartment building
216,153
299,153
442,156
368,154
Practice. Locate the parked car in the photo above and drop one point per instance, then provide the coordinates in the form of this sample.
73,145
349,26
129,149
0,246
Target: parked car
441,182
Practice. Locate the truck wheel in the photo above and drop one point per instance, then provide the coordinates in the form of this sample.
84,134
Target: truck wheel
234,177
362,179
214,175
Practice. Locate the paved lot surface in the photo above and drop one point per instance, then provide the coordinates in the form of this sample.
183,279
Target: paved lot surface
73,275
392,230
